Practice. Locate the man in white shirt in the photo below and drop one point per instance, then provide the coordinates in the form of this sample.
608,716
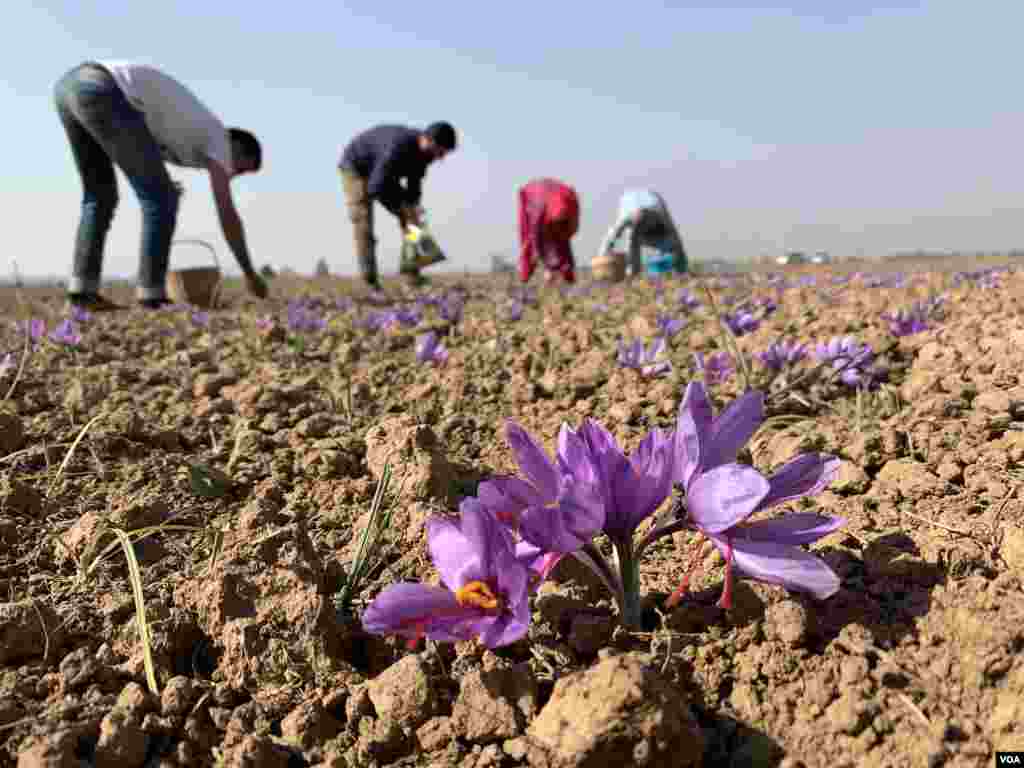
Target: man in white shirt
137,117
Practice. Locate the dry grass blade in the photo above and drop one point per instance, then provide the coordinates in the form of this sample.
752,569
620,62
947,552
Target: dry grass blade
70,453
21,366
135,577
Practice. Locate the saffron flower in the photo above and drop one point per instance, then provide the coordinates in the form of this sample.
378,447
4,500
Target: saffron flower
721,495
906,323
302,317
429,349
853,360
80,314
65,333
645,360
687,300
558,507
782,354
201,319
514,310
485,588
717,368
669,326
741,322
34,328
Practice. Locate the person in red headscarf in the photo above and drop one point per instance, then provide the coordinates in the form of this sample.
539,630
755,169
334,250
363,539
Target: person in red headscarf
549,216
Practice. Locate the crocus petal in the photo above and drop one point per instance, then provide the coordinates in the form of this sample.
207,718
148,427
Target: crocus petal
532,460
452,553
784,565
726,495
567,524
797,528
536,559
805,475
732,429
495,631
573,457
506,496
692,426
407,609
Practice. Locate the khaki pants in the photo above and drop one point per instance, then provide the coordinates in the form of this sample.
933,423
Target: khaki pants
360,212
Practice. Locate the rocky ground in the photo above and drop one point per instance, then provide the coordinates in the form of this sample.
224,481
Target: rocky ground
235,455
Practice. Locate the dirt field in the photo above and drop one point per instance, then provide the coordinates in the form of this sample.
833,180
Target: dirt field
235,455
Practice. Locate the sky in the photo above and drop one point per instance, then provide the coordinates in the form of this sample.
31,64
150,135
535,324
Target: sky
853,127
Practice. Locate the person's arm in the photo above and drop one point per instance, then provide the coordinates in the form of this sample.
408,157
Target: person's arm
231,224
613,234
526,244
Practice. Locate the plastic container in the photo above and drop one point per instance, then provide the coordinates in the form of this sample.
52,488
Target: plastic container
658,262
420,249
610,267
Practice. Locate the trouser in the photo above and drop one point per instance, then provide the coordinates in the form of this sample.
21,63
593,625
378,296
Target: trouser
652,230
360,212
104,129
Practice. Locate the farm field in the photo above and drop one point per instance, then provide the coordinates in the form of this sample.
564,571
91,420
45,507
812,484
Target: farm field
196,508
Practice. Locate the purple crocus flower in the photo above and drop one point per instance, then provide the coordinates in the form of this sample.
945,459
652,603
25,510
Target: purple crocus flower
430,349
717,368
265,323
201,319
854,359
485,592
741,322
66,334
688,301
301,317
669,326
906,323
558,507
408,317
80,314
721,495
644,360
34,328
514,312
633,486
782,354
6,364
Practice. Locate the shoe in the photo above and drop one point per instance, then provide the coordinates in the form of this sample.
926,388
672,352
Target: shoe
154,303
92,302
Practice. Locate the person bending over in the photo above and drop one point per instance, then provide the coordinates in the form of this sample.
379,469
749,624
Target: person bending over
645,218
373,166
549,217
137,117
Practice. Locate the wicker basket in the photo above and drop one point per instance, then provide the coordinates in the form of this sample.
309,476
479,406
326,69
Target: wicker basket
198,286
610,267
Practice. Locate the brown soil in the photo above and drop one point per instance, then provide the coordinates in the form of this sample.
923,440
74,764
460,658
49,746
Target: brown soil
916,661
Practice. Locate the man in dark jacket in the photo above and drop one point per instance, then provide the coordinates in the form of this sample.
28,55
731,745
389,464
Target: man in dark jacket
372,168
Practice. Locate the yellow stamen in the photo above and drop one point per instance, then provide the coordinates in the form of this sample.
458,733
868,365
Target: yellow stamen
478,595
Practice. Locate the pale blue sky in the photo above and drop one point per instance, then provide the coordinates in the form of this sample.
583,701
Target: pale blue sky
871,128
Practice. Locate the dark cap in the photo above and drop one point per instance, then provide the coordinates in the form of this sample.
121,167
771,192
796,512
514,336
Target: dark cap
443,134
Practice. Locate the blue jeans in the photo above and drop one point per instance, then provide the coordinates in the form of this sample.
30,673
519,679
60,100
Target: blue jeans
103,128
